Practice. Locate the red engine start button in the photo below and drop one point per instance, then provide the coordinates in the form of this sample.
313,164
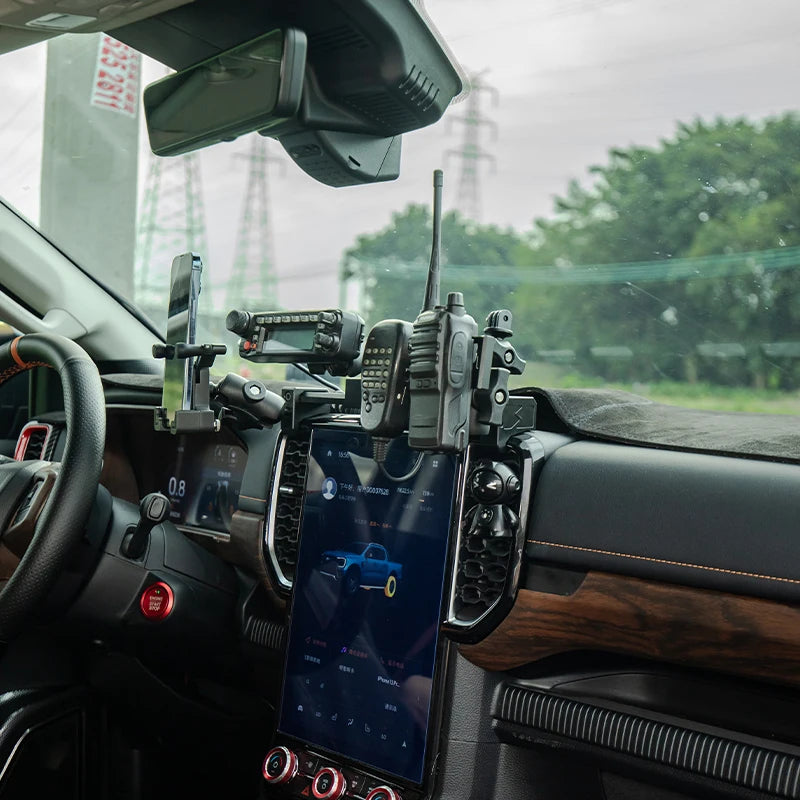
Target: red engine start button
157,601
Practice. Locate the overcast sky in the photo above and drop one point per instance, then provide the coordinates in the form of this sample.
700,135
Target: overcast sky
574,78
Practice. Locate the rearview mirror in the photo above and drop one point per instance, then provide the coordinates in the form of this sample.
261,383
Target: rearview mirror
250,88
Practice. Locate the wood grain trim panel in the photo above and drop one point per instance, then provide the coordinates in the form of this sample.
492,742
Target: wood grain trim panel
739,635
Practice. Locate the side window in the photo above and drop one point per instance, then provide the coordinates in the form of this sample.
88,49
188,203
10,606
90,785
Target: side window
13,401
13,410
373,553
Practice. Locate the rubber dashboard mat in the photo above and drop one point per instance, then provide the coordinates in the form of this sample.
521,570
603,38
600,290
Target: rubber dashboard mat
618,416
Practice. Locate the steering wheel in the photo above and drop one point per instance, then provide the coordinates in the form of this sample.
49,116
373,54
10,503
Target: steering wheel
44,507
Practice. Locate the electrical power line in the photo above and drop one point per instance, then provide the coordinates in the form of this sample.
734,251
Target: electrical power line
252,282
662,271
471,152
171,222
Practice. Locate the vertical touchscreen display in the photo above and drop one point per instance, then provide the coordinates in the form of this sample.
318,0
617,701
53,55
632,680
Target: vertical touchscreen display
367,599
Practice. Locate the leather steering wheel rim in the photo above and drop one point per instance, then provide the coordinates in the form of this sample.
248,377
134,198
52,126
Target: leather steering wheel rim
61,523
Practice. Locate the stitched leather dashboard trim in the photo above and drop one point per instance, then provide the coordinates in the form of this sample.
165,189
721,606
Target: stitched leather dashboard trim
691,519
664,561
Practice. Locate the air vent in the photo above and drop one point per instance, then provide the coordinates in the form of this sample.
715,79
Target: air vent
287,502
419,89
52,441
336,39
265,633
491,536
483,567
525,714
419,93
35,442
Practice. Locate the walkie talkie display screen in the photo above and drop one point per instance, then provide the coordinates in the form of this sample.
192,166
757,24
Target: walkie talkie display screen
181,327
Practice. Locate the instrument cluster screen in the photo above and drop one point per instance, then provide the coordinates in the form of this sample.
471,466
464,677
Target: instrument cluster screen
367,601
202,480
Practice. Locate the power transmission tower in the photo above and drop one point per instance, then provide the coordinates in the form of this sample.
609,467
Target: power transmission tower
471,153
252,284
172,221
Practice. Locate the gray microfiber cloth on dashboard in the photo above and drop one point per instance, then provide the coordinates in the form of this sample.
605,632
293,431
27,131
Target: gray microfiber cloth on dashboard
622,417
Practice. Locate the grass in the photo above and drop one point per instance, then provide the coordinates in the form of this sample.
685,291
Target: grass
689,395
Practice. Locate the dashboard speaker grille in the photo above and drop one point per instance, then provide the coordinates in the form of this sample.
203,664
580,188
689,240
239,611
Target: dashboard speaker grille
718,757
286,525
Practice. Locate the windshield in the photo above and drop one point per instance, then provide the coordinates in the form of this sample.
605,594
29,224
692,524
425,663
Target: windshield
622,176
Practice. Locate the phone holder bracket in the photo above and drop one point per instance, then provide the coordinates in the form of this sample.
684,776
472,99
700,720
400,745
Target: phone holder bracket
200,417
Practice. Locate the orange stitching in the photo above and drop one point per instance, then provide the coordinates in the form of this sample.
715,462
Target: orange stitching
247,497
10,372
665,561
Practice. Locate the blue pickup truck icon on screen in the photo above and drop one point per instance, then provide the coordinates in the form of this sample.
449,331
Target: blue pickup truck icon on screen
362,565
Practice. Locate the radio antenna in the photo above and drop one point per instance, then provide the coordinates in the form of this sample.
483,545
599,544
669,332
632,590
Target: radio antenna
432,286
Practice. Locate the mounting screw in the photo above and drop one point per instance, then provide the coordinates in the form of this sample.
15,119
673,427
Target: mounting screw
508,356
499,397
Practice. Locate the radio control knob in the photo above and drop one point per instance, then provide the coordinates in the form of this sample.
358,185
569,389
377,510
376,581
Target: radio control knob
239,322
328,784
486,485
383,793
280,766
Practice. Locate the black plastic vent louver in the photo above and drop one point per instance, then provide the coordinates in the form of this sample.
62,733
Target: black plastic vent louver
265,633
335,39
718,757
419,89
36,443
483,566
488,540
286,525
52,441
383,108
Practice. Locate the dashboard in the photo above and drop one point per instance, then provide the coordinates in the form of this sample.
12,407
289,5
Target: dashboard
200,475
440,608
358,560
202,482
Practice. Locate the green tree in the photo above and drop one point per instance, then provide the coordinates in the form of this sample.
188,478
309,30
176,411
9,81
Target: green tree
711,191
714,188
392,264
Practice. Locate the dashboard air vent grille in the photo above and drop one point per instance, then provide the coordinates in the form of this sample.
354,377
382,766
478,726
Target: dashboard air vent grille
383,108
265,633
34,442
483,567
419,89
335,39
286,525
720,757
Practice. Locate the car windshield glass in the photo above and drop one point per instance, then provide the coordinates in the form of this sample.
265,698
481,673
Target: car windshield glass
622,176
356,547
